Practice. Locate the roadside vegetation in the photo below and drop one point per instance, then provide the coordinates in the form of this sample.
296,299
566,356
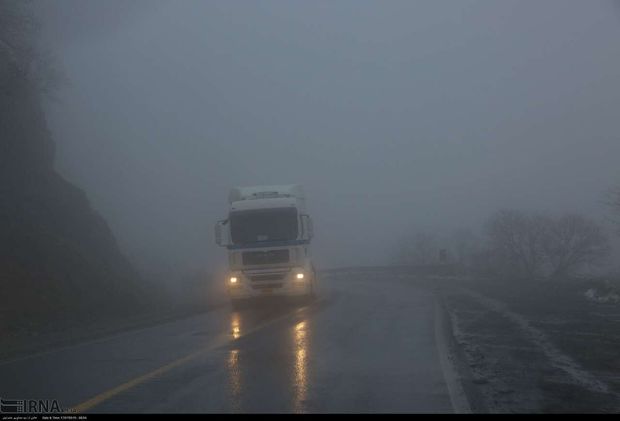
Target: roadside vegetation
515,245
535,308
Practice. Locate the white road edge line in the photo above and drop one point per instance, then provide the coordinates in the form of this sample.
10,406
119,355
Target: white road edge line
458,398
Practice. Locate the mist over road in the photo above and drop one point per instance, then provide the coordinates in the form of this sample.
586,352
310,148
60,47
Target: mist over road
464,152
360,347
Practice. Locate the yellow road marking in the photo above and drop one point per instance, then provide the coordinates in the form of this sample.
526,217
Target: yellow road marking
102,397
96,400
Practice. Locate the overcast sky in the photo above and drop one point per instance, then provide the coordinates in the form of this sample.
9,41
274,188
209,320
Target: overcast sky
396,116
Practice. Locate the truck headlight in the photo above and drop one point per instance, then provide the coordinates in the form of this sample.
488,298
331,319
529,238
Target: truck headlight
233,280
299,276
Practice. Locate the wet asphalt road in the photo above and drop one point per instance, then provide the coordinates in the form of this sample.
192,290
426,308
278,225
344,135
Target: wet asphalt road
366,345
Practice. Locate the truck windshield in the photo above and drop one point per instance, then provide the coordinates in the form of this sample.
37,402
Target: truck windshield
253,226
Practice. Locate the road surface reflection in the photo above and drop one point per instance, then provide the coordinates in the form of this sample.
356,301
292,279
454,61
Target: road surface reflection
234,370
300,377
239,361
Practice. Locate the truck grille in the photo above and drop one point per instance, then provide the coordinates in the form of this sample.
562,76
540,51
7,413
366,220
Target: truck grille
267,286
265,257
267,277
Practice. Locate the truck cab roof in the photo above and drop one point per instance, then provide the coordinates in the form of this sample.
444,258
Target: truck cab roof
276,202
238,194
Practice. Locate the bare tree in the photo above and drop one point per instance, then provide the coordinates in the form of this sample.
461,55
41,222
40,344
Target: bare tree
21,53
18,32
517,242
573,241
613,201
537,246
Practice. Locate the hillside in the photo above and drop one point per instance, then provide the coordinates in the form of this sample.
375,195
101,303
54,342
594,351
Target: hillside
58,258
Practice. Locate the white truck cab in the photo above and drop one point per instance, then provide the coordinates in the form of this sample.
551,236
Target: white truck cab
267,234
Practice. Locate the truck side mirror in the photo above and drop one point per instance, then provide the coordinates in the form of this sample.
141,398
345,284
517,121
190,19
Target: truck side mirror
308,231
219,233
310,228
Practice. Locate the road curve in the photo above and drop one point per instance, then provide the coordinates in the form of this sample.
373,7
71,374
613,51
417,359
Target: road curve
368,344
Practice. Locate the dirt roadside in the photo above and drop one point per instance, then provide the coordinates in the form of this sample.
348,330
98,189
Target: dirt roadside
536,347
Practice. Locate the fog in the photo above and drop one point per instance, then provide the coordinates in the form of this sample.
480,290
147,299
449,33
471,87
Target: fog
396,116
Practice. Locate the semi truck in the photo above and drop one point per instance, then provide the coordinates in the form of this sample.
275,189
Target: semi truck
267,234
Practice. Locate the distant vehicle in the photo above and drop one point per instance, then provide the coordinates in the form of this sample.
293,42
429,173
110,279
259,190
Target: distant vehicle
268,235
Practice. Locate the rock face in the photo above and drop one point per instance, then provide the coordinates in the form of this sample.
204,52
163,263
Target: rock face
58,257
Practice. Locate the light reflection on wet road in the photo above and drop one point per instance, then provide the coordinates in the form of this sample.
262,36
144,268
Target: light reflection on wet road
300,379
364,346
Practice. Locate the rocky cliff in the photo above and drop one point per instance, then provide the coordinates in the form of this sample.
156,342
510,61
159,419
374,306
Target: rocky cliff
58,257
